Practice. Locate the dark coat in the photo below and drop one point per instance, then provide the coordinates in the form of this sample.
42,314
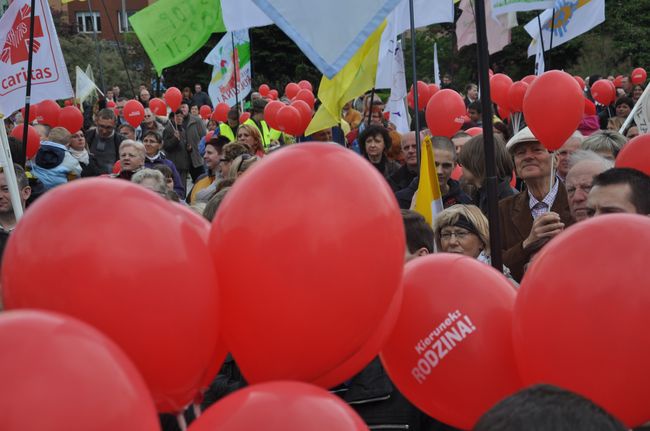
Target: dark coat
201,98
175,148
179,183
117,140
516,221
504,190
194,130
401,179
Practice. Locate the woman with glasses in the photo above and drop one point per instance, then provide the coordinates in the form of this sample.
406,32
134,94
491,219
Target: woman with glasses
463,229
375,143
152,144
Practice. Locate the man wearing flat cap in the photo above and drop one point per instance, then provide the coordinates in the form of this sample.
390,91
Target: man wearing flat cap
536,215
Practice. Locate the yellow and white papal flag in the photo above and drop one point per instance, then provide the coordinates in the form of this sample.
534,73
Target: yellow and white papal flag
428,199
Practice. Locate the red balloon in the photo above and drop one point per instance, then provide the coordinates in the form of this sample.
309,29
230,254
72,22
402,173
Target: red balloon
173,97
306,96
280,406
305,112
305,85
315,331
68,102
264,90
504,113
209,135
158,107
423,96
365,354
553,126
450,352
291,90
499,86
516,95
635,154
596,343
270,111
205,112
433,89
618,81
33,113
108,290
474,131
244,117
590,107
71,118
48,113
133,112
273,94
638,76
580,81
78,378
445,112
603,91
111,104
289,120
528,79
33,139
221,112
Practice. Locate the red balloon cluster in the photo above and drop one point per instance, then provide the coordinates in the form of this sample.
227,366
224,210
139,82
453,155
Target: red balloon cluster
554,126
33,139
597,312
516,95
292,119
445,113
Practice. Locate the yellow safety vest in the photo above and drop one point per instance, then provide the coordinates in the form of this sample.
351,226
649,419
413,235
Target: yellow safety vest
225,130
268,134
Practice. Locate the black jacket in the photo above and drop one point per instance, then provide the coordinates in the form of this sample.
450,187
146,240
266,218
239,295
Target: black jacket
401,179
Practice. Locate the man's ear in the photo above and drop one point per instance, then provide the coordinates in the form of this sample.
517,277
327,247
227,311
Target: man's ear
25,193
422,251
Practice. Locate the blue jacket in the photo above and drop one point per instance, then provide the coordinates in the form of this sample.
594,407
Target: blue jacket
53,164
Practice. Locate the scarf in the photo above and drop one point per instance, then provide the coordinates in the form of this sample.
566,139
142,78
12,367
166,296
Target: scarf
82,155
155,158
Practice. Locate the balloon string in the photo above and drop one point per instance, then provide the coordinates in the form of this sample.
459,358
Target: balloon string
182,424
552,175
197,409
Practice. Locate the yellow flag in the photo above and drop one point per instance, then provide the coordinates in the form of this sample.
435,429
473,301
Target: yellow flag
356,77
428,199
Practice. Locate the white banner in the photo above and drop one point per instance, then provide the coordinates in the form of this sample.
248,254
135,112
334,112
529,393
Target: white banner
49,75
396,105
231,75
642,114
242,15
500,7
572,18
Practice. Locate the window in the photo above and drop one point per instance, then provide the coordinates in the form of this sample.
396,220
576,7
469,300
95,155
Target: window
120,23
85,21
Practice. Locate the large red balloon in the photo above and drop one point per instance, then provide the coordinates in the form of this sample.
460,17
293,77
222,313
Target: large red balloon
603,91
450,352
445,112
158,107
635,154
638,76
305,112
289,120
581,315
499,87
280,406
553,126
155,295
173,97
306,308
306,85
221,112
33,139
270,111
291,90
48,113
306,96
205,112
71,118
264,90
133,112
516,95
60,374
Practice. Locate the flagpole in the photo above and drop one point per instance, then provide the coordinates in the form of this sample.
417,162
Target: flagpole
551,42
235,62
99,59
370,103
541,37
28,88
415,85
488,138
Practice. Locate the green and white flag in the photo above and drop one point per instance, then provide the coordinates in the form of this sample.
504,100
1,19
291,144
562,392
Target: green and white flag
231,75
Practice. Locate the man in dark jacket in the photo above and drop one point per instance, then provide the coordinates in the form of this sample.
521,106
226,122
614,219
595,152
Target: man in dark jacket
404,176
103,141
200,97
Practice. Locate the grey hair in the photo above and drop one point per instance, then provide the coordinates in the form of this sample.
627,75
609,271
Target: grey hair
143,174
139,146
605,140
589,156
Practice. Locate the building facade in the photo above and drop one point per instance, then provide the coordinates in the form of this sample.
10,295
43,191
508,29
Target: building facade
106,17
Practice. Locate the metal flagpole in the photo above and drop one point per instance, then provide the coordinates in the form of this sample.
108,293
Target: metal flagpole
235,62
488,139
541,36
99,60
28,88
551,42
415,84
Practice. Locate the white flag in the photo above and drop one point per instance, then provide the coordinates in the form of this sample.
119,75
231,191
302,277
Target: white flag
642,114
572,18
329,32
242,15
49,74
500,7
231,75
436,66
84,87
396,105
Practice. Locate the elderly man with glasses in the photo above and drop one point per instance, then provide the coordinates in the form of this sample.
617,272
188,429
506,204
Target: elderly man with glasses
103,141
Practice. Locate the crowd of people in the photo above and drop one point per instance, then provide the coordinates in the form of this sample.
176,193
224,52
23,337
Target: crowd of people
195,162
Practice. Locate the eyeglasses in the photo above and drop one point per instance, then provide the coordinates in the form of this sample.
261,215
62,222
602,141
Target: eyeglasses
460,235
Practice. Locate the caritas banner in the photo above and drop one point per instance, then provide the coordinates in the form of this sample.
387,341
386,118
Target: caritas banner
49,75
